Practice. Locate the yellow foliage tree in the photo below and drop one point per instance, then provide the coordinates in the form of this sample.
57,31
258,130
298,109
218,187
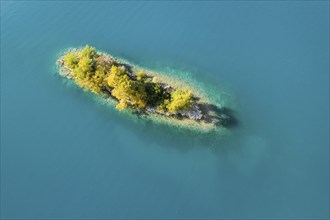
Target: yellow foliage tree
92,73
85,65
116,74
85,73
128,92
71,60
88,51
180,100
140,75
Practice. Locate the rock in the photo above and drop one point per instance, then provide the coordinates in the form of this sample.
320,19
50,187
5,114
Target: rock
194,113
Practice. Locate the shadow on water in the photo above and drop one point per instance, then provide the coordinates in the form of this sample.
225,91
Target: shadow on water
229,143
167,135
175,137
223,117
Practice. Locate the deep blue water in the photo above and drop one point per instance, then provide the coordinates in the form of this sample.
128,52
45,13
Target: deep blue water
64,155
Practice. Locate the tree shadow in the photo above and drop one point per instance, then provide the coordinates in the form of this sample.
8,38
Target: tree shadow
185,139
170,136
223,116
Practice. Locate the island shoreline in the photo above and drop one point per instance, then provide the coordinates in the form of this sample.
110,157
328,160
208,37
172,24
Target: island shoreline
202,115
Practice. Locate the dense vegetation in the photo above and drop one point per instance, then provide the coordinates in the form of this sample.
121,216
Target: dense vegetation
134,90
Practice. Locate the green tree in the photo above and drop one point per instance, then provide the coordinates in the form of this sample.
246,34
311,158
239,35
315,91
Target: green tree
128,92
71,60
140,75
180,100
155,93
91,72
116,74
85,65
88,51
84,71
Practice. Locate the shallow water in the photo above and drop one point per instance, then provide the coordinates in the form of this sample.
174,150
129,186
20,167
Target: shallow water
66,155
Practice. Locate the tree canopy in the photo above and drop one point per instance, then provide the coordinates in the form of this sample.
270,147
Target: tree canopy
129,92
180,100
136,90
71,60
87,73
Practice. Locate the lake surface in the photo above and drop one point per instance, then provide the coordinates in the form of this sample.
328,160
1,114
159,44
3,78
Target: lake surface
66,155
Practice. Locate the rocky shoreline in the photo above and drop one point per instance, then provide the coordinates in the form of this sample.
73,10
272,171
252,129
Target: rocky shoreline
199,111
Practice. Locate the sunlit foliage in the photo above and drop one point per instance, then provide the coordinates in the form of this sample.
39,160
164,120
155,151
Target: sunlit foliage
140,75
180,100
71,60
93,72
128,92
85,64
88,51
84,71
116,75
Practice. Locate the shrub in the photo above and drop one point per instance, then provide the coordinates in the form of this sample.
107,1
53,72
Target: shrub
155,93
128,92
180,100
140,75
91,72
71,60
88,51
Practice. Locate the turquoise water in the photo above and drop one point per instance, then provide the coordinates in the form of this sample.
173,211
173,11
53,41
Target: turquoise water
66,155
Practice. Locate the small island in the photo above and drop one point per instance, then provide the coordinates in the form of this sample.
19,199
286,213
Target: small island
142,91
